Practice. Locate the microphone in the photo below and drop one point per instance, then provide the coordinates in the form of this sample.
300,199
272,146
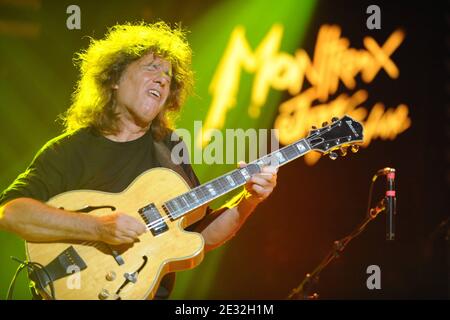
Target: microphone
385,171
390,201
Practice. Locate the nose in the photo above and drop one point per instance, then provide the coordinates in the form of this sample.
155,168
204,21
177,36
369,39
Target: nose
162,79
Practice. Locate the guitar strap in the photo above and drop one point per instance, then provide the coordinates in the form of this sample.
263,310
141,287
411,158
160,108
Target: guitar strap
163,155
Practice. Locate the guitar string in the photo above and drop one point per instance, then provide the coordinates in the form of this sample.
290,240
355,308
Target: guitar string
161,220
178,213
222,190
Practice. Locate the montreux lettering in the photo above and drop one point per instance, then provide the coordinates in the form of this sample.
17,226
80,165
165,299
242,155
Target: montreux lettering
334,62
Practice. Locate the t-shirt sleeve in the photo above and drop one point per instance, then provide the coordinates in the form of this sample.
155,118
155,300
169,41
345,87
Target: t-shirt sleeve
43,179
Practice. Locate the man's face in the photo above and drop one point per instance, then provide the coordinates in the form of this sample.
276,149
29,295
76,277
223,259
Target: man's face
143,89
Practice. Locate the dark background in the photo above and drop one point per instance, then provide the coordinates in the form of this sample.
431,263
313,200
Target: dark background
311,206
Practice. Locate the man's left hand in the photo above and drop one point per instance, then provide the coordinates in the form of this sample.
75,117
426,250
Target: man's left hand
261,185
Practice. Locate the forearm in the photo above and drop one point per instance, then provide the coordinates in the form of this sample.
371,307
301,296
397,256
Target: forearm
35,221
229,222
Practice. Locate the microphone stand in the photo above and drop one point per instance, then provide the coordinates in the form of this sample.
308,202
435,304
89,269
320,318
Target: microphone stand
303,291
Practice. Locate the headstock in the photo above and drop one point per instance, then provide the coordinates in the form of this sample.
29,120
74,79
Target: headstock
339,135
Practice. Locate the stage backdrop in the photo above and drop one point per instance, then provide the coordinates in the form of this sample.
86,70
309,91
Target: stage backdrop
287,66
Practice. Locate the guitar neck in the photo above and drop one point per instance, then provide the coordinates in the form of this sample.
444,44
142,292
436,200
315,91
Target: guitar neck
205,193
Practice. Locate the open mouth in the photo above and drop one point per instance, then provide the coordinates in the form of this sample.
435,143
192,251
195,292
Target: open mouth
154,93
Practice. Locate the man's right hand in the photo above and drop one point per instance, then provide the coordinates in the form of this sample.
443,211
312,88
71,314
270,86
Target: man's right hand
119,228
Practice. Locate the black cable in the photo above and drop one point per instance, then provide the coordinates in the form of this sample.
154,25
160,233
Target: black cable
31,266
338,247
369,202
13,281
52,288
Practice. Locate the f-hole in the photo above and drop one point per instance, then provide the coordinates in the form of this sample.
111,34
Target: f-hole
92,208
132,277
113,252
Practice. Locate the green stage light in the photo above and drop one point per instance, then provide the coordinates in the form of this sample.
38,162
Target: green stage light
209,37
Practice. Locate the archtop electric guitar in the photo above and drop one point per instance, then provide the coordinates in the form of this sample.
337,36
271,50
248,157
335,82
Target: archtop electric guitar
164,202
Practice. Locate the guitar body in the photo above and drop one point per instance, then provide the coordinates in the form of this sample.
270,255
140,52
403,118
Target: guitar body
159,195
149,259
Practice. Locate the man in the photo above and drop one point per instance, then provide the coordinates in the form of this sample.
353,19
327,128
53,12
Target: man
129,83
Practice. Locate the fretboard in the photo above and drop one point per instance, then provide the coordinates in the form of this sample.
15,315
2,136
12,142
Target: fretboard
205,193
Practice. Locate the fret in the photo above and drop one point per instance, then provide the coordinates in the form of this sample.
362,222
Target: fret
169,206
227,186
175,204
206,194
253,168
285,154
174,208
179,207
210,189
280,157
260,162
244,172
216,185
291,152
202,194
184,201
219,186
230,180
193,196
237,176
199,193
190,199
302,146
179,203
226,182
272,159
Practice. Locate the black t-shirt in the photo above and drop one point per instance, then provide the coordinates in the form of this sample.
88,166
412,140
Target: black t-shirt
87,160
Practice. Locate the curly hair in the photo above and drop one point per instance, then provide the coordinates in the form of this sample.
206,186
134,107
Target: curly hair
104,61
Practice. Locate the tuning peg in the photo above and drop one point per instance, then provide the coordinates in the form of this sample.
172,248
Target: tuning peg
324,124
343,151
334,119
333,155
354,148
314,127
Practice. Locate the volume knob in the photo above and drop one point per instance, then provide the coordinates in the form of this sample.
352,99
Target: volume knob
111,276
103,295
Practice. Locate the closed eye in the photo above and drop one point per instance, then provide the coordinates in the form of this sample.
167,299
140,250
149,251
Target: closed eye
156,67
152,67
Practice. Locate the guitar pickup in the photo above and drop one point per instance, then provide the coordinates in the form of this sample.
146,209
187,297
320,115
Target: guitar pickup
153,219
